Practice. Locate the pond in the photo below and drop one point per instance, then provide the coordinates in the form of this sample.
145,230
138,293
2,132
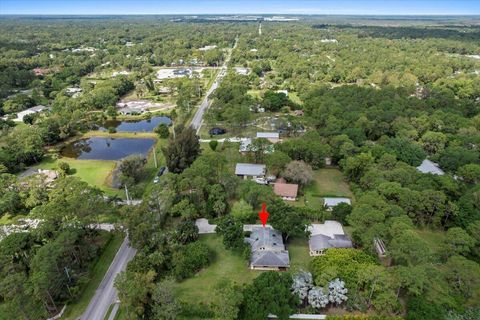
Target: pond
100,148
146,125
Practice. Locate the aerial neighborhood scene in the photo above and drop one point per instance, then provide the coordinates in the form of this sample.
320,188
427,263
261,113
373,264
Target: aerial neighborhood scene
249,160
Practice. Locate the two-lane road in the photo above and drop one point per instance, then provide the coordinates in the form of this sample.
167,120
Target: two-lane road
198,117
106,293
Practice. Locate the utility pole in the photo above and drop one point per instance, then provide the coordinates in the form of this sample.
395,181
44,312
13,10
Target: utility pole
173,125
155,157
126,194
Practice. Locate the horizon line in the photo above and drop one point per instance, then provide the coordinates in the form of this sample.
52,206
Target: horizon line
249,14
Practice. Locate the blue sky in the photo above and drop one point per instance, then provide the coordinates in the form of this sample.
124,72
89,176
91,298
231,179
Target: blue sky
396,7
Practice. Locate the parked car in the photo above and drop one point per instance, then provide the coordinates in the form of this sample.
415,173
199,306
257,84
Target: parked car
162,171
261,181
217,131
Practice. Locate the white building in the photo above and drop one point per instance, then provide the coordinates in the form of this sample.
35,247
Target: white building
273,137
329,203
428,166
327,235
28,111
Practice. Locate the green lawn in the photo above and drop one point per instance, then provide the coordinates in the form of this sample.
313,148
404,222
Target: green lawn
94,172
329,182
226,264
74,310
299,254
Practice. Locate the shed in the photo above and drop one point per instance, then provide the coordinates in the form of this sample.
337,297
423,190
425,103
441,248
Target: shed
329,203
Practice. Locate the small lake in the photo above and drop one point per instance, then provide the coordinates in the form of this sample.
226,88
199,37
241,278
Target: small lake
146,125
101,148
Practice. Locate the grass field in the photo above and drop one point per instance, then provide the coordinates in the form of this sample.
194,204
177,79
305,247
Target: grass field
73,311
226,264
94,172
329,182
299,254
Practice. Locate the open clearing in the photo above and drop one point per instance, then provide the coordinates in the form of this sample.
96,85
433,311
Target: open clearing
226,264
94,172
328,182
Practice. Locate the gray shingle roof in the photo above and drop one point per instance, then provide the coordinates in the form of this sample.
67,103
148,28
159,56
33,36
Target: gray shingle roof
250,169
321,242
268,249
279,259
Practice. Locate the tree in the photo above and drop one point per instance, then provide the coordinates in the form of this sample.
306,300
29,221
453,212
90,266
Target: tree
269,293
162,131
182,150
190,259
131,167
186,232
463,275
355,167
213,145
290,221
406,151
341,211
165,306
317,298
419,308
64,168
298,172
340,263
470,173
276,161
433,142
409,249
134,291
228,298
232,232
337,293
274,101
458,242
302,283
242,211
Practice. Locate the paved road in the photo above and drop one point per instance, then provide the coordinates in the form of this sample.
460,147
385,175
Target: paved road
106,293
198,117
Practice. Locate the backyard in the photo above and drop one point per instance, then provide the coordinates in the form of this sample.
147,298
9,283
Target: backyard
328,182
226,264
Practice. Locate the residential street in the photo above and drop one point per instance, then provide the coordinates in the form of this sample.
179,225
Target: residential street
106,293
198,117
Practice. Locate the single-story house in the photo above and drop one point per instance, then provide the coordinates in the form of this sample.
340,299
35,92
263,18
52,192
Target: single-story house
327,235
268,250
28,111
288,191
428,166
273,137
250,170
329,203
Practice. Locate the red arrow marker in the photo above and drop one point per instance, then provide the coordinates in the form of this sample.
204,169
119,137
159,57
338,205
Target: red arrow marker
263,214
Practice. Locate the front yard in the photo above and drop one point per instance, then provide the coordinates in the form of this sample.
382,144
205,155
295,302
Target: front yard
226,264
